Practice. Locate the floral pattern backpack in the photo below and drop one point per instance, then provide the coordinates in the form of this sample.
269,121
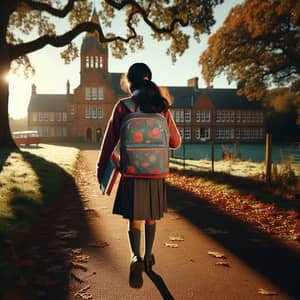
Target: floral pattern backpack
144,143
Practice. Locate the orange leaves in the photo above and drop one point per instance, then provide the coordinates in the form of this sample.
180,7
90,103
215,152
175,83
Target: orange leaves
248,208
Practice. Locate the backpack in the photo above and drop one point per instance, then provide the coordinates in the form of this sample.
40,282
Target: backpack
144,143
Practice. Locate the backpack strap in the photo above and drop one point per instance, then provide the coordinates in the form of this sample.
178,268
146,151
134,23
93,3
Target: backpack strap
130,104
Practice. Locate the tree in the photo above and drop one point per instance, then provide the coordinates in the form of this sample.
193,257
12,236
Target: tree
257,46
20,19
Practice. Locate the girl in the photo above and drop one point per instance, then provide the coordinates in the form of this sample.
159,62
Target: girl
139,199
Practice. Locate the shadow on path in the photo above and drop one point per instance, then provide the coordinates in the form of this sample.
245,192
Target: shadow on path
277,261
41,252
160,285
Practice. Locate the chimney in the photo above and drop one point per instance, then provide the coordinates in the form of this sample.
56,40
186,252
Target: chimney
193,82
68,87
33,89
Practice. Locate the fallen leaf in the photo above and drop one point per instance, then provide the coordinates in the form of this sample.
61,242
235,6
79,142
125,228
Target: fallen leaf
222,263
216,254
171,245
176,238
98,244
78,265
83,294
266,292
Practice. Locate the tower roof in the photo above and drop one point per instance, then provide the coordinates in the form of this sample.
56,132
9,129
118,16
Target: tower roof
91,40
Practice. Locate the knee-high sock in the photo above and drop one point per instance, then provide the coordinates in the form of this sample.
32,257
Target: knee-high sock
149,238
135,240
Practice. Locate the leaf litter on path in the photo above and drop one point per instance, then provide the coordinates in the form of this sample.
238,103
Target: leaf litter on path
216,254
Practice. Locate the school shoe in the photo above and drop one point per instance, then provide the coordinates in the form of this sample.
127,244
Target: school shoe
136,272
148,263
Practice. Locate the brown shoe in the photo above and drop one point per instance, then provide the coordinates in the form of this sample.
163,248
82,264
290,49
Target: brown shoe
136,271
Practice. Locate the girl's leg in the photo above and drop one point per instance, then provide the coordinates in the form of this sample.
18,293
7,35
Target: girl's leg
134,234
150,228
136,266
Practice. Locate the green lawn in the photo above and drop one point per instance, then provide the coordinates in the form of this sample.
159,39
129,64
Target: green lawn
28,180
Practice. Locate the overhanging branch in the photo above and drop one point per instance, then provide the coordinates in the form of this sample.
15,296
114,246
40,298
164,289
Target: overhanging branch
64,39
41,6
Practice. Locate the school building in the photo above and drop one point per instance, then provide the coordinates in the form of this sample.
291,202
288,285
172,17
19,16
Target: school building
202,114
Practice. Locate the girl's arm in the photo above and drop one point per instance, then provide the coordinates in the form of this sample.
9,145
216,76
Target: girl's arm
175,138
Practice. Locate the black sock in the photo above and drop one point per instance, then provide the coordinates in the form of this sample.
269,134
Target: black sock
135,239
149,239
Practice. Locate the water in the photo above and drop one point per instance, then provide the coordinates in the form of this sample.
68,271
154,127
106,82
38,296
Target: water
253,152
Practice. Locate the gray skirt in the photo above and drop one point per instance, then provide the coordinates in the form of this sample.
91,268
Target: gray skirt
141,198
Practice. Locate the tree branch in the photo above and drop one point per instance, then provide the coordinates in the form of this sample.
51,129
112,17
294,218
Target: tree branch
64,39
141,11
61,13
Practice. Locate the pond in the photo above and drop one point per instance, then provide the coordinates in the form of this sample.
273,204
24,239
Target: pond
253,152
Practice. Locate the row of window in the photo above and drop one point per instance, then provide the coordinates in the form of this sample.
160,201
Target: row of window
49,117
92,62
94,113
53,131
222,116
222,133
94,93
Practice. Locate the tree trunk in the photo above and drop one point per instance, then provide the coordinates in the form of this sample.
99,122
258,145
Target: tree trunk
6,140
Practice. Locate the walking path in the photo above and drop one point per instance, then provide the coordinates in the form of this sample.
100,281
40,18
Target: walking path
79,250
187,239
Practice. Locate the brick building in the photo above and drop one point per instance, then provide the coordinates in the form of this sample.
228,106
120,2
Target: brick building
201,114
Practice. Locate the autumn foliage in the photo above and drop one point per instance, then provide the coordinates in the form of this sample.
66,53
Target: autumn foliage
257,46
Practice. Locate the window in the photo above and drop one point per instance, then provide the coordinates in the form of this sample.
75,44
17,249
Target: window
94,93
87,113
100,93
43,131
100,114
224,133
64,116
64,131
202,133
52,116
202,116
238,116
187,116
34,117
58,116
87,62
187,133
101,62
92,62
179,116
42,116
88,93
220,116
96,62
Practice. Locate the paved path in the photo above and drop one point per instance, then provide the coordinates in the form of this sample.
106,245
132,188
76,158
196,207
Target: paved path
186,272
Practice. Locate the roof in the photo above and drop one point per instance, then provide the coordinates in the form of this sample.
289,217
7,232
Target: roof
49,102
228,99
185,97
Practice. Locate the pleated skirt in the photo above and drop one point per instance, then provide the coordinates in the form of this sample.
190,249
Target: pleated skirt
141,198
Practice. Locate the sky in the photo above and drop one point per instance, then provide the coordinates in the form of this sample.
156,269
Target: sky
52,74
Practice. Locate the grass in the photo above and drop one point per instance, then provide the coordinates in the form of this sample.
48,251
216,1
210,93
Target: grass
248,168
29,178
246,177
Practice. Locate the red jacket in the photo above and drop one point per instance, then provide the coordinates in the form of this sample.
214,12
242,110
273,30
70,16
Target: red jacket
112,134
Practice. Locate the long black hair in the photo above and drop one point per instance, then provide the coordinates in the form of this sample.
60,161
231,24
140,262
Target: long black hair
150,98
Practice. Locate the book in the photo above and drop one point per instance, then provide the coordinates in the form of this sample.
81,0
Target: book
110,176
